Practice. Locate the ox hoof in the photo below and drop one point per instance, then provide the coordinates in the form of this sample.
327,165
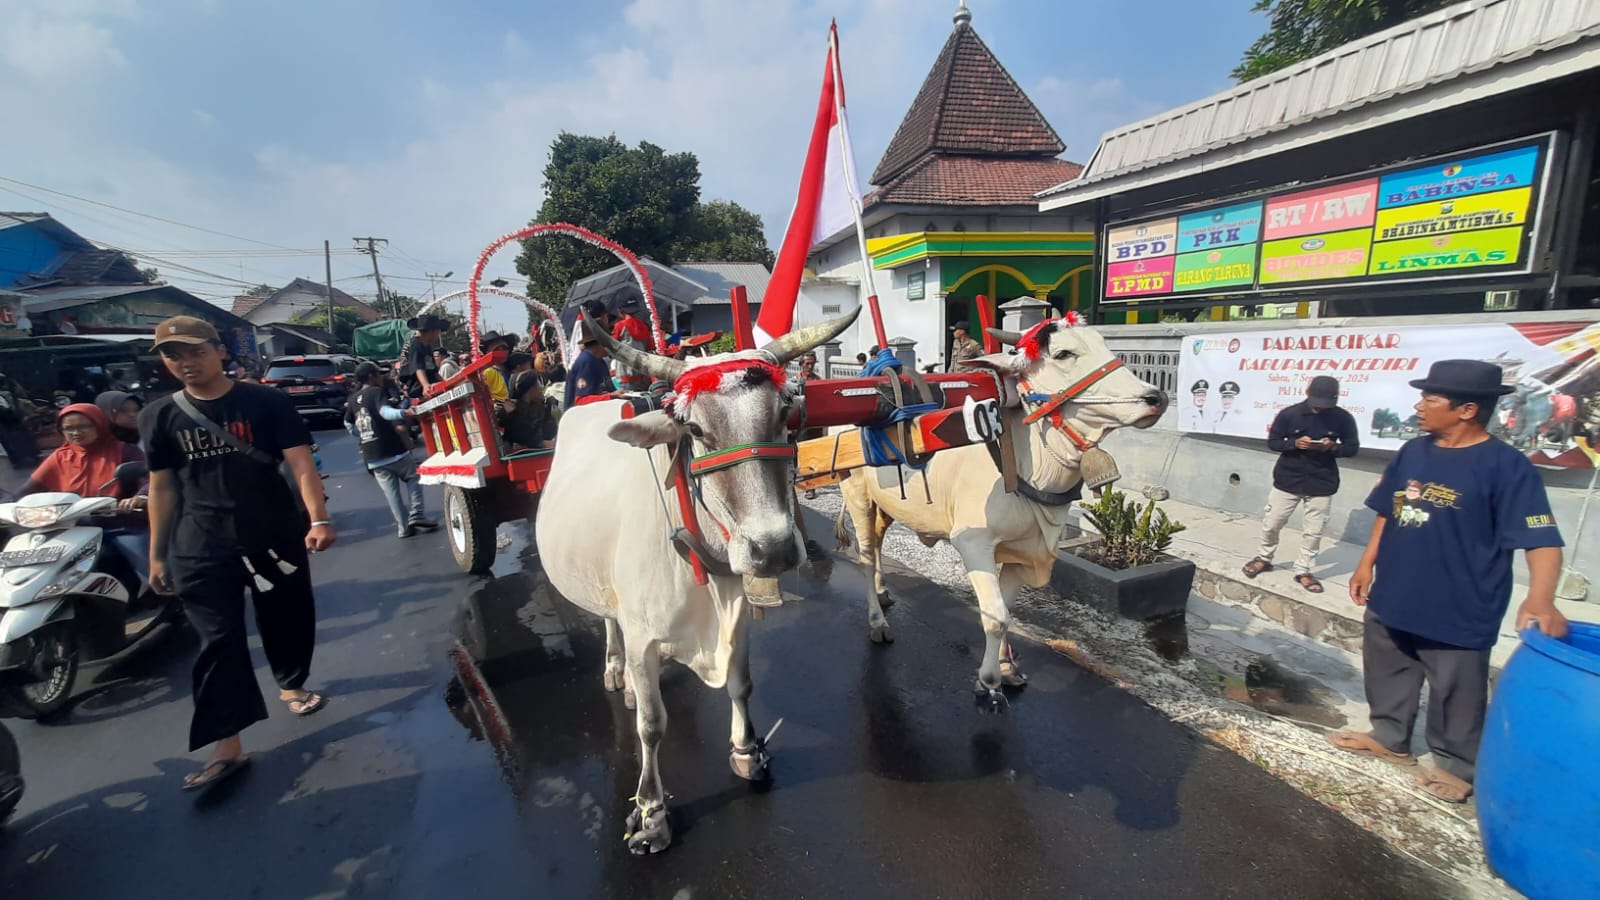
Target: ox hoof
885,602
1011,675
628,698
613,681
648,832
990,699
753,764
882,635
814,552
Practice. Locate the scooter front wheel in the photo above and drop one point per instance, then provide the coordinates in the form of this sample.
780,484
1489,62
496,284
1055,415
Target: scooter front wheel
56,663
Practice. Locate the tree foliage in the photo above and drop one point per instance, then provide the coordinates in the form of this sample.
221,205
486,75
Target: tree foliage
1301,29
345,323
644,198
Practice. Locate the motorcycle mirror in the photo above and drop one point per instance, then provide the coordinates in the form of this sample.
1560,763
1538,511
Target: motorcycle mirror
129,474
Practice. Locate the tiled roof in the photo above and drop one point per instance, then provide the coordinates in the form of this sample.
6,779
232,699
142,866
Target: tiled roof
974,181
244,306
969,104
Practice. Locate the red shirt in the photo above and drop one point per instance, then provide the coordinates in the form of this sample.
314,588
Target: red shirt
631,326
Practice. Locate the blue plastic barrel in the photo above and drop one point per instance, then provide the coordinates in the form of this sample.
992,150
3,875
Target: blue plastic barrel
1538,781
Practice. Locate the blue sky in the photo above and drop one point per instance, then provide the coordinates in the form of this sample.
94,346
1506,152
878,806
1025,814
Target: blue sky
428,123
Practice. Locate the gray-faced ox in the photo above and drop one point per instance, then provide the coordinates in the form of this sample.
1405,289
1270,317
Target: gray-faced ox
1064,392
607,519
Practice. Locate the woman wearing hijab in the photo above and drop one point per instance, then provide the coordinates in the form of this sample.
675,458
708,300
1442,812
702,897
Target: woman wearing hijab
86,464
122,408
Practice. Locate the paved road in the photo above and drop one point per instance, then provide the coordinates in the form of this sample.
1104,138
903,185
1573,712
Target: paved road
470,752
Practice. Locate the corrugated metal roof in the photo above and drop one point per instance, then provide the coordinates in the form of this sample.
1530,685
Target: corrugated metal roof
1466,38
720,277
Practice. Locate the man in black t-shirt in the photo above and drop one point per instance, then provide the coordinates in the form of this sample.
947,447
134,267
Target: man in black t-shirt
419,369
224,522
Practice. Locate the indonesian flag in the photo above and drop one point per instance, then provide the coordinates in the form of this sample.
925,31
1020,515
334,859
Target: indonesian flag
828,200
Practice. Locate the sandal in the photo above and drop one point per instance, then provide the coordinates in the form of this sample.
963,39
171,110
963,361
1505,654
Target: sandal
306,704
1255,567
214,772
1309,582
1443,785
1363,744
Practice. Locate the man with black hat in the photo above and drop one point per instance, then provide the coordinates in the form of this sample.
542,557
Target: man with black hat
223,521
1453,508
493,378
375,424
1309,437
1228,390
419,370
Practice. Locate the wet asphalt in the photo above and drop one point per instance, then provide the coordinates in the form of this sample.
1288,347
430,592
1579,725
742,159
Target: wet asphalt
470,752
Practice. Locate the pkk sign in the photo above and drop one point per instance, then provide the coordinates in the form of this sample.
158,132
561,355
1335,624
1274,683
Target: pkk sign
1215,228
1236,383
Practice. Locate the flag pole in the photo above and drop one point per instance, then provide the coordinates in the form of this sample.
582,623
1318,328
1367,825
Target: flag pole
850,185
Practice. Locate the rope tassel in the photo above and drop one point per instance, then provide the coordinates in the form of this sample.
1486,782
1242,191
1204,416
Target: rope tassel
284,566
262,584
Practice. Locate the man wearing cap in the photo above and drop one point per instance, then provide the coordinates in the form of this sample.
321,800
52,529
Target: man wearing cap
1309,438
962,349
588,376
1197,407
419,370
1228,390
1436,582
223,521
375,424
493,378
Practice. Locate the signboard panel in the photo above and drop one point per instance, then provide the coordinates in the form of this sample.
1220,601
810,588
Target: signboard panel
1340,207
1553,366
1228,226
1140,277
1142,241
1466,214
1211,269
1316,258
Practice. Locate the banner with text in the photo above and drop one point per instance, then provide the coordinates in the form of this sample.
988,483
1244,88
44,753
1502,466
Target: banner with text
1235,384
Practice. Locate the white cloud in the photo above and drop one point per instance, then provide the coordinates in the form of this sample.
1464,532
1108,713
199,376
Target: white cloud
46,49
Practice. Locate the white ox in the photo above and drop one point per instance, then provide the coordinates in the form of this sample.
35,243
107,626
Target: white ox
1064,374
606,522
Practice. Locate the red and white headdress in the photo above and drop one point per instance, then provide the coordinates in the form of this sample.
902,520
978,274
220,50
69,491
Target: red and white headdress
1031,344
723,375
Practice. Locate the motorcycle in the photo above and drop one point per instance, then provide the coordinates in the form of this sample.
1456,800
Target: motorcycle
66,597
10,774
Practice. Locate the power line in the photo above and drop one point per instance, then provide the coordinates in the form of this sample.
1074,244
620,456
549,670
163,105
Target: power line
134,212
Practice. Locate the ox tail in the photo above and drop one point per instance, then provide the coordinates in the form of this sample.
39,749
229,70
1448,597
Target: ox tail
841,531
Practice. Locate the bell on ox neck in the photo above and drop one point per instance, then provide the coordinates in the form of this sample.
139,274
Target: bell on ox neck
1098,469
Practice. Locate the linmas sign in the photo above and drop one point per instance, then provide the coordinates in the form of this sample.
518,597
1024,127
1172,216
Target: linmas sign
1462,215
1235,384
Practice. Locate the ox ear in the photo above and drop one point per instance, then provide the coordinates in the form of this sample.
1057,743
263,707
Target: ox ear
648,430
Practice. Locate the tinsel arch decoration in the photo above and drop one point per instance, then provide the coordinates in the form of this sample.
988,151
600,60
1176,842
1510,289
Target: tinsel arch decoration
572,231
549,313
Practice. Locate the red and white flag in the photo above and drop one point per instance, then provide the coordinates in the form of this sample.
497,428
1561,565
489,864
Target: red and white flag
828,202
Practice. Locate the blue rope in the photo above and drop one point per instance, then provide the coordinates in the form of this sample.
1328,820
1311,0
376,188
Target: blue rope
876,447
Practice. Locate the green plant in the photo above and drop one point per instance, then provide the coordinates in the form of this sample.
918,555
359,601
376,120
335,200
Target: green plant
1129,535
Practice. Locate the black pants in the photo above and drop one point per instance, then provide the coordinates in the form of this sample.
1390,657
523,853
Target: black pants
1396,663
227,698
21,449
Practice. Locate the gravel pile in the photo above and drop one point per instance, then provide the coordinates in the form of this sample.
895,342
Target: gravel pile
1375,795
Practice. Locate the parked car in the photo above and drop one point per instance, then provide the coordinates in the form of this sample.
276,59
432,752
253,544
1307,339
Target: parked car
318,384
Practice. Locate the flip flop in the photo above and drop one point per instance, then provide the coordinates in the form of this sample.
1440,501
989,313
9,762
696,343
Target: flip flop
224,768
1361,743
1443,785
1255,567
1309,582
310,703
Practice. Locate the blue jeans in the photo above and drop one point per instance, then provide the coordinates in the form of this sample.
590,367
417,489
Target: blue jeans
403,489
134,545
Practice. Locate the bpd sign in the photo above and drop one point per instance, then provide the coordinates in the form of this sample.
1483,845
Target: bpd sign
1143,241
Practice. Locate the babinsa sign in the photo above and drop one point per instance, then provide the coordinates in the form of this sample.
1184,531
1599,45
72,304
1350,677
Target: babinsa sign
1465,214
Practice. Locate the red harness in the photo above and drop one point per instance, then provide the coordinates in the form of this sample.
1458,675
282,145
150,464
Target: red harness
1050,405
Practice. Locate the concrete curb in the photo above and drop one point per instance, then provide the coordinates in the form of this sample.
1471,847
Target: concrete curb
1290,612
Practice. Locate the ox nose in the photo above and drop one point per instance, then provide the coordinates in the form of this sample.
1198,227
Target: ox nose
1156,399
771,558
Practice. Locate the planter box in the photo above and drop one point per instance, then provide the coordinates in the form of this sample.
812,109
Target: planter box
1146,592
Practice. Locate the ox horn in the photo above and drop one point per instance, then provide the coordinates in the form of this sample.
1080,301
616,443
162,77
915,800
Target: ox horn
796,343
659,368
1008,338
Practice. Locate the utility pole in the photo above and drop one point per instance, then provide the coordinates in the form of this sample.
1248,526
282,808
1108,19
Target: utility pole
371,249
327,262
433,292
